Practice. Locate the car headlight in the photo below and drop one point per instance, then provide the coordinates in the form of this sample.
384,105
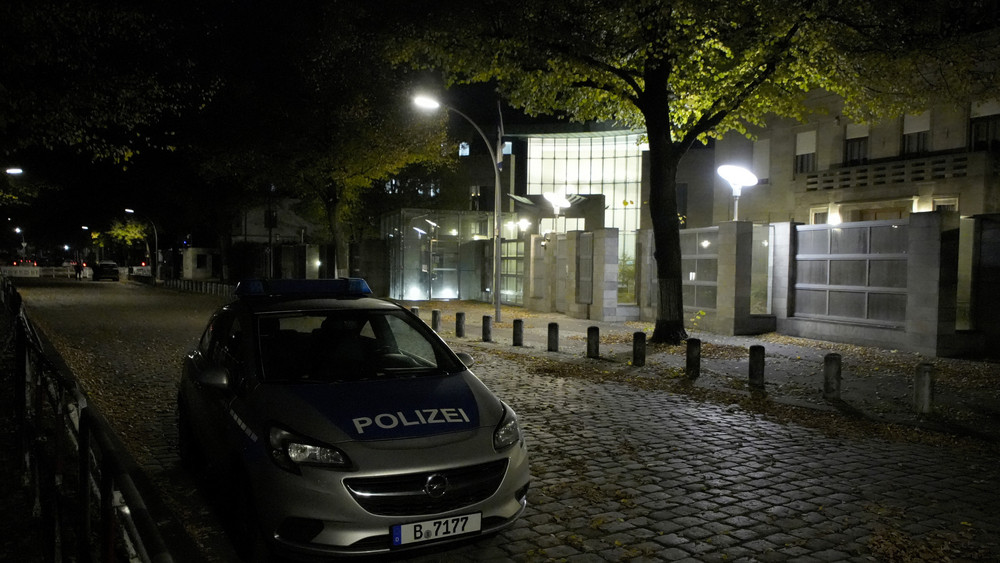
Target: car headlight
290,451
508,432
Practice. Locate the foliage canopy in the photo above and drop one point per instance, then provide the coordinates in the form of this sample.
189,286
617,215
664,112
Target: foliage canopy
686,70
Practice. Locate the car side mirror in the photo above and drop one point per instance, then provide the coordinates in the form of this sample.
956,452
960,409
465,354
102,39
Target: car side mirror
215,377
466,359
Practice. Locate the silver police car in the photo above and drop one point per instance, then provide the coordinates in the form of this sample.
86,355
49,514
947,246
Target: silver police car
344,425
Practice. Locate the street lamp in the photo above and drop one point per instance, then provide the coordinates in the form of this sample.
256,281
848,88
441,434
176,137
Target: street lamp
24,245
14,171
156,246
427,103
738,178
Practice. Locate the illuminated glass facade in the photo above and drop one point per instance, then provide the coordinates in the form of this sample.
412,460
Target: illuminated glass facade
609,164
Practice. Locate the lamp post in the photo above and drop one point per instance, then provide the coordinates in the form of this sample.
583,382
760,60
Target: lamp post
425,102
738,178
156,246
24,245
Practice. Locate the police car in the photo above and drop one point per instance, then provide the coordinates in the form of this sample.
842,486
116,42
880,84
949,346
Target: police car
344,425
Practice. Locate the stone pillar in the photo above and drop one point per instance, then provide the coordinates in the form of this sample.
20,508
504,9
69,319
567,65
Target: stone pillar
573,309
556,268
539,281
932,281
734,277
605,306
784,248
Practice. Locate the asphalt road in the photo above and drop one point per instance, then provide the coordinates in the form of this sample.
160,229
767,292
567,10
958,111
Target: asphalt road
620,473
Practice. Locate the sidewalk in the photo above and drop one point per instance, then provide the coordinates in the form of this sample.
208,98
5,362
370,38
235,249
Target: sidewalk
876,390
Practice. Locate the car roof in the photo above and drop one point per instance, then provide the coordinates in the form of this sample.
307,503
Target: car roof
276,305
269,296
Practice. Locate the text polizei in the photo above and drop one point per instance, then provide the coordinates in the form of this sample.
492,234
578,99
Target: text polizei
416,417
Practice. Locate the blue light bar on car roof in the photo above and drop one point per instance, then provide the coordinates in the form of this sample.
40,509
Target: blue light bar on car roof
339,287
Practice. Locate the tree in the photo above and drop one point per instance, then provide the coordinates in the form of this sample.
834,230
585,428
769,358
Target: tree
687,70
104,78
305,109
120,234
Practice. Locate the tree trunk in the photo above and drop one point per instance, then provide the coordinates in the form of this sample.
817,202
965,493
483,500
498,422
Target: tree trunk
338,263
664,156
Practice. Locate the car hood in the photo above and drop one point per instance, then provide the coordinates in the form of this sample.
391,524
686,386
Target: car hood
381,409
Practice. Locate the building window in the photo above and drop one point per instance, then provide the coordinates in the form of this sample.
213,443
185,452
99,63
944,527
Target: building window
855,144
915,143
805,163
946,204
610,165
916,133
805,152
819,215
984,133
856,151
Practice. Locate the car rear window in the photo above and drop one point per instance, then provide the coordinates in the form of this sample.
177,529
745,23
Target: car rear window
347,346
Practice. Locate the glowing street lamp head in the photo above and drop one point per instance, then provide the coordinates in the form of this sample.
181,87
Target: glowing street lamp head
425,102
558,201
737,176
14,171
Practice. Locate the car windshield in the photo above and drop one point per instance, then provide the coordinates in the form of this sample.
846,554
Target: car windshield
350,345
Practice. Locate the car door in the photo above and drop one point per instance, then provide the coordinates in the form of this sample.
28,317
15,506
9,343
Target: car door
219,350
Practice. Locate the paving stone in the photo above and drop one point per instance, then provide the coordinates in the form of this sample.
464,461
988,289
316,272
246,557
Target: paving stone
679,480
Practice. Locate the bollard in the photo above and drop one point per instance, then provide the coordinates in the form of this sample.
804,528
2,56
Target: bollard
436,320
638,349
923,388
593,342
756,369
415,310
831,377
460,324
692,366
518,332
553,337
487,328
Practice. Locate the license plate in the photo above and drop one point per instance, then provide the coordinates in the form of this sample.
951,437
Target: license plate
427,530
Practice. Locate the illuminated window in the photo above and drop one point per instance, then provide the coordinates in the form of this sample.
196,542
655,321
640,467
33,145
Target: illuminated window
610,165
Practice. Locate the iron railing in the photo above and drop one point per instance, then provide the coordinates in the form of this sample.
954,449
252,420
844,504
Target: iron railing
93,502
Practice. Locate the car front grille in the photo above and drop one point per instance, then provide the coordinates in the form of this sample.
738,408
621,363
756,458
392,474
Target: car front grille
405,495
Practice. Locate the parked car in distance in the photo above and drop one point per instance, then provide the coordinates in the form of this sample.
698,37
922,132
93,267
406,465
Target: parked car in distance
341,424
106,271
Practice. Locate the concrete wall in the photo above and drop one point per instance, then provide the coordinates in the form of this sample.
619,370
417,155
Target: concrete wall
195,269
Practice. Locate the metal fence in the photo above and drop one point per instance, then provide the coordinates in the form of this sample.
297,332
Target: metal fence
206,287
700,267
78,470
853,271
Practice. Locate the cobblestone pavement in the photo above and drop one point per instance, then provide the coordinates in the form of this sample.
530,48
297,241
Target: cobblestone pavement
624,474
620,473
